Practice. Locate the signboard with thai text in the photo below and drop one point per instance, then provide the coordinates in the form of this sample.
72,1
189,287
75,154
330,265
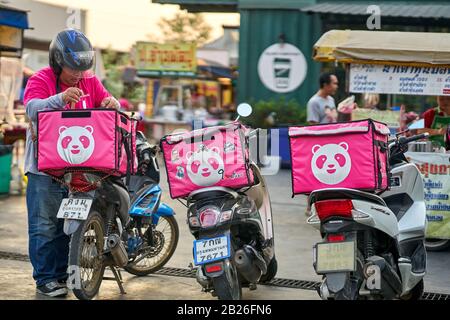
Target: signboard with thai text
435,169
152,59
397,79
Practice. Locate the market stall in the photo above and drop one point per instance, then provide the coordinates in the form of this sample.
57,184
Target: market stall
13,22
180,89
403,63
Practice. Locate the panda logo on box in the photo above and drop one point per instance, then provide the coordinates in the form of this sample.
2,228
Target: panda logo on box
205,167
75,144
331,163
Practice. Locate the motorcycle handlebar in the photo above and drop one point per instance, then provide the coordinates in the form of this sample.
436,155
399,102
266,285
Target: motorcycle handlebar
406,140
133,115
146,157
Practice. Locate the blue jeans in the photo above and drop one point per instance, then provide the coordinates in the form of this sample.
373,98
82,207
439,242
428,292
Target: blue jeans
48,245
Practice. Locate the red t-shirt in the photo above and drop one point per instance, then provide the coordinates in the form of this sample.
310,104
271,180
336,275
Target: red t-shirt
42,85
429,115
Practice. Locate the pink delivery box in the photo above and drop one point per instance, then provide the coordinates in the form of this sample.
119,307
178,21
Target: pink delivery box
339,155
214,156
94,139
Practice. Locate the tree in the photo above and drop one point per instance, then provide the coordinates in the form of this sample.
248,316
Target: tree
115,62
185,27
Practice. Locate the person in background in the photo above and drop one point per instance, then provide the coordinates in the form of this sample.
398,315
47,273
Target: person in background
371,100
436,120
27,73
406,119
321,107
442,110
125,105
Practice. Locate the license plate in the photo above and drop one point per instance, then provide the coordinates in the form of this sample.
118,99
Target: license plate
335,257
77,209
213,249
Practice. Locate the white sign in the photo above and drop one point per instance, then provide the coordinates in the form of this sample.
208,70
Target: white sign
399,79
282,67
73,208
208,250
435,169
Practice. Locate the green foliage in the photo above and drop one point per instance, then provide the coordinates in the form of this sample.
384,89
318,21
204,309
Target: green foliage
135,93
114,64
276,113
113,60
185,27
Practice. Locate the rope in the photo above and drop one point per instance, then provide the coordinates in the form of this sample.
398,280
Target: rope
83,189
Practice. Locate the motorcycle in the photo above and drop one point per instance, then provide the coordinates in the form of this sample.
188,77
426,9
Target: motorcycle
155,232
239,221
373,244
117,227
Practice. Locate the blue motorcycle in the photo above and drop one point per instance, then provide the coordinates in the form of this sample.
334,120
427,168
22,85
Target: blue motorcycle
155,232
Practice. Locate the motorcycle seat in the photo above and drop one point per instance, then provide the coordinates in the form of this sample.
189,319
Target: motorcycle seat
141,190
138,184
344,193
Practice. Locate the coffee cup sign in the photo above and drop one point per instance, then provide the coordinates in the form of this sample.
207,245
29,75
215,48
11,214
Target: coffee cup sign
282,67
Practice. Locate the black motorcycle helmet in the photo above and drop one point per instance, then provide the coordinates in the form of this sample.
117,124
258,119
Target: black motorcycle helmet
70,48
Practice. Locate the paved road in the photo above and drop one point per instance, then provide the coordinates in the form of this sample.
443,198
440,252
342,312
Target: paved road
293,238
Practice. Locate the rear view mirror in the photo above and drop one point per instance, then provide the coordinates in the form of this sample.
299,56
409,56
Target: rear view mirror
244,109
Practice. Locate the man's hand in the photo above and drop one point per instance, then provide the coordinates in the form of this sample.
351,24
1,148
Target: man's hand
72,95
110,102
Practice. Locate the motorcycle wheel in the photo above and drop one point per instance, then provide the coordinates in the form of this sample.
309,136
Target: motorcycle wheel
227,286
166,236
85,253
437,244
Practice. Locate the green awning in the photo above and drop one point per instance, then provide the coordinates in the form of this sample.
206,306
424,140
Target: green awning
278,4
203,5
399,10
234,5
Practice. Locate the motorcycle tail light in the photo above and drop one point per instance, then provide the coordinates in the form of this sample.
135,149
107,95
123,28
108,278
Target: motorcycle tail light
209,216
329,208
335,237
213,268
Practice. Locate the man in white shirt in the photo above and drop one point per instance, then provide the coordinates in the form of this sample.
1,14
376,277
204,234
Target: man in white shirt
321,107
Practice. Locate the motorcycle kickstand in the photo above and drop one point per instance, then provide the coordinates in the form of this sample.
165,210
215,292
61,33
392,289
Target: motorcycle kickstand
252,286
118,278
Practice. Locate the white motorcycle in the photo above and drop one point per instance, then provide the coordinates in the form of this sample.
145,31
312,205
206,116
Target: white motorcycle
373,244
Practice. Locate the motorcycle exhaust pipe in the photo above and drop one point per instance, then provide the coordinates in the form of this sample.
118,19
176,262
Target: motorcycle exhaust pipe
118,251
250,264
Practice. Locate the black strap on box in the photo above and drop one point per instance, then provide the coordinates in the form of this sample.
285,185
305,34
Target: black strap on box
126,136
383,145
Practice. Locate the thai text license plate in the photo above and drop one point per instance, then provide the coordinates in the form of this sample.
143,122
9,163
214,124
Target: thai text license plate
335,257
77,209
213,249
